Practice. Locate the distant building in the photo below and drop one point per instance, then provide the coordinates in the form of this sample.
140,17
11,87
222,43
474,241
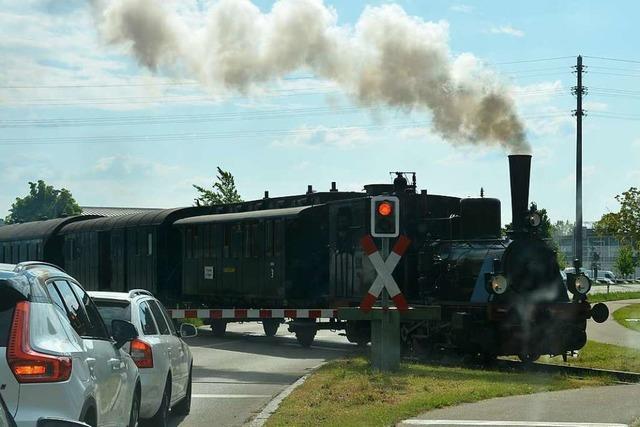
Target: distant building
111,211
1,222
607,247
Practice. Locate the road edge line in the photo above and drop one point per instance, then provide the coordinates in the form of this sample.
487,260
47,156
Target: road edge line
273,405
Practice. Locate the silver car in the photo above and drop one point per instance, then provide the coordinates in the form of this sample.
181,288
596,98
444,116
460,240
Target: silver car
57,358
164,359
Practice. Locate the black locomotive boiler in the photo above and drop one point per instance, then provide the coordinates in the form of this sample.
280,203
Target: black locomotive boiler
299,258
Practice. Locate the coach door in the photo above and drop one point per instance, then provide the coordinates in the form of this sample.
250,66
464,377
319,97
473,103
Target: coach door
104,260
232,252
273,266
251,263
118,260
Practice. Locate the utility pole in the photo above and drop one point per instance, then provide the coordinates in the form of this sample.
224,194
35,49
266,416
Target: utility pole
578,91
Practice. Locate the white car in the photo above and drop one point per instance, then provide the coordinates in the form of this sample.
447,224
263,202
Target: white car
164,359
57,358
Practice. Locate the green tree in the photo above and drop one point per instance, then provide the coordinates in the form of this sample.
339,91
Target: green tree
562,228
42,202
624,225
223,191
625,262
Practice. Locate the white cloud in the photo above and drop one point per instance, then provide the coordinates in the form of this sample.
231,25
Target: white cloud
508,30
595,106
461,8
322,136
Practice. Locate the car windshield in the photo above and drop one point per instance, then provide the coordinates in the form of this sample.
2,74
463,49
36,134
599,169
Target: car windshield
111,310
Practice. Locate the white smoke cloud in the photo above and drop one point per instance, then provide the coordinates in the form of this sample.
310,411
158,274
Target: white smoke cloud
387,59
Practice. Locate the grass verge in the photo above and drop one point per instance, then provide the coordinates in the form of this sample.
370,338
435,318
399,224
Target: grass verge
629,312
613,296
348,392
603,356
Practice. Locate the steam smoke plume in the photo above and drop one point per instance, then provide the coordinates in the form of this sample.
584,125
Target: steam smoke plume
387,59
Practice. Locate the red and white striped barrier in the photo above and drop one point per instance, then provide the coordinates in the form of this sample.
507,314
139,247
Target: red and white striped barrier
384,268
245,313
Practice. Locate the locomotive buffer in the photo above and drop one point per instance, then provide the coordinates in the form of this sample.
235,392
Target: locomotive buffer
385,321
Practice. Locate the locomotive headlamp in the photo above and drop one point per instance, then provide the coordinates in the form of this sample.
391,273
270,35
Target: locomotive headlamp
583,284
498,284
578,284
534,219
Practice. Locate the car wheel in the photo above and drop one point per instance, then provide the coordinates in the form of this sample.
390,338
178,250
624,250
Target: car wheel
161,418
135,409
184,406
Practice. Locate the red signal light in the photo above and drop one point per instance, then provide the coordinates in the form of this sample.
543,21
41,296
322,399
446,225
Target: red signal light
385,209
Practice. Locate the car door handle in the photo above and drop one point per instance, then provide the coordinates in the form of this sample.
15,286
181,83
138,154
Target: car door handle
116,364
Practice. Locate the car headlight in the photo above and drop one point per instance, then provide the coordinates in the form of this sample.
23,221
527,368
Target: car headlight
498,284
583,284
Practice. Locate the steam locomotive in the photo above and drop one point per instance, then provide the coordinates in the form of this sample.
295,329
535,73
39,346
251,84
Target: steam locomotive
299,258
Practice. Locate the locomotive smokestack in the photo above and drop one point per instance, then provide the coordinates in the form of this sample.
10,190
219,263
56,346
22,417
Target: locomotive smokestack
519,172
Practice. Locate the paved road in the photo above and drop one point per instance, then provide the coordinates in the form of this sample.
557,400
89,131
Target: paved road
611,332
595,407
236,376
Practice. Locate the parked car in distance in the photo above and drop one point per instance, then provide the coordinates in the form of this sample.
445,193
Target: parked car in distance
57,358
164,359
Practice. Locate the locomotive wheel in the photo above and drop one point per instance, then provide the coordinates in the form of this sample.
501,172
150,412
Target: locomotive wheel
270,326
358,332
219,328
528,357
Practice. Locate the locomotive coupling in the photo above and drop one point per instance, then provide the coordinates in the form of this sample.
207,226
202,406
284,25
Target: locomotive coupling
599,312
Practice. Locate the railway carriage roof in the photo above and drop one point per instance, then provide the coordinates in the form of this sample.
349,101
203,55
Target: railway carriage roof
154,218
38,229
239,216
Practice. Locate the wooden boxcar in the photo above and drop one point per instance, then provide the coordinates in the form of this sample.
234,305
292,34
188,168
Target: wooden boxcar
127,252
35,241
291,257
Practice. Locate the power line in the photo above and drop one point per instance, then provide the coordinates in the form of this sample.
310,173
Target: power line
531,60
613,59
185,137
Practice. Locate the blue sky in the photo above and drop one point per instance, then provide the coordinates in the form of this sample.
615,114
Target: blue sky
85,116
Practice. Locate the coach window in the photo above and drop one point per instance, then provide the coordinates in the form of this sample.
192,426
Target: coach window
226,248
247,240
255,241
268,238
2,253
149,244
197,243
236,244
142,241
187,242
278,237
146,320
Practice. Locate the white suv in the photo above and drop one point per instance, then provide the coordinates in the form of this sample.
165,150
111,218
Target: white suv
57,358
164,359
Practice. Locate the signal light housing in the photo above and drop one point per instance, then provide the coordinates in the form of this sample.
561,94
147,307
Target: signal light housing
28,365
385,216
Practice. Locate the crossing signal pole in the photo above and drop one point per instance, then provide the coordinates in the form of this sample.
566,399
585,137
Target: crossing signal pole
579,90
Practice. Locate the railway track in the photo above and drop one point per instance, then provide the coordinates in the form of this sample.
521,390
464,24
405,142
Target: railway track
548,368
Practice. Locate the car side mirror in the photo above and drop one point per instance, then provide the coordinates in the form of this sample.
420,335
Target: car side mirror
187,330
123,332
59,422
